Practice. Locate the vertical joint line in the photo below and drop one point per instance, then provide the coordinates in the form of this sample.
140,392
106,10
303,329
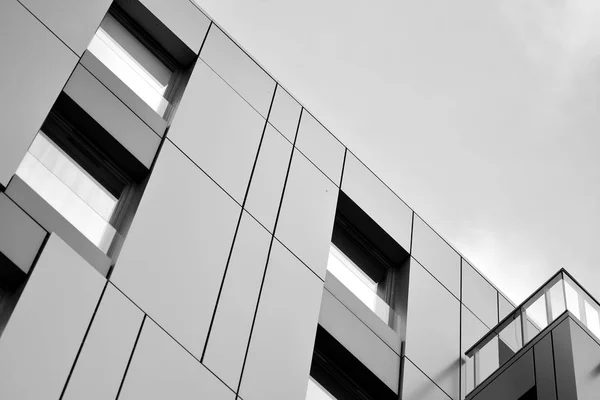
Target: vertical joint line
412,229
131,356
343,166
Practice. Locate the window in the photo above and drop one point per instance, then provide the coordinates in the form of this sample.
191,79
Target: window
366,260
84,174
141,63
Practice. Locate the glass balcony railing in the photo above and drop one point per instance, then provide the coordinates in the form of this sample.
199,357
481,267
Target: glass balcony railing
559,294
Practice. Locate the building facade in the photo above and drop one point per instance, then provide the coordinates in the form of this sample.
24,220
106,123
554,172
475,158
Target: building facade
175,225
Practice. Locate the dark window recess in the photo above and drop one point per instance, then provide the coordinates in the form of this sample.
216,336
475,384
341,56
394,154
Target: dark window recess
12,282
370,248
530,395
342,374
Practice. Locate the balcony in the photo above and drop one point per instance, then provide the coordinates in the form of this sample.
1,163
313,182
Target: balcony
559,294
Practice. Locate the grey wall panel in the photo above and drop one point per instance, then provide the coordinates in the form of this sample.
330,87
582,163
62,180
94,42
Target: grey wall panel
51,220
161,369
544,369
436,255
417,386
307,213
266,187
113,115
41,340
38,65
564,361
586,360
107,348
479,295
182,18
472,330
238,70
321,147
20,236
280,352
173,259
217,129
513,383
345,296
432,329
359,340
73,21
285,113
230,333
504,306
377,200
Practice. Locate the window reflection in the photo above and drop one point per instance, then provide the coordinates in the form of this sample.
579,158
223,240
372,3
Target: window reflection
315,391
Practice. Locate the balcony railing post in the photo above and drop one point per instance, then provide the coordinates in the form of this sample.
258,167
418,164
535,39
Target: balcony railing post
476,368
523,327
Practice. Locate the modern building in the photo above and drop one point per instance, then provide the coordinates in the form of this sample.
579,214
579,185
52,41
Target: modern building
175,225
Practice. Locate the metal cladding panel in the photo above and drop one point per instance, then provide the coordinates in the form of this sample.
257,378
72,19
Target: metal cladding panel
417,386
544,369
513,383
107,348
280,352
504,307
38,66
377,200
432,329
218,130
230,332
437,256
161,369
307,213
118,120
285,113
240,71
174,257
42,338
73,21
268,179
20,236
360,340
586,360
320,147
183,18
479,295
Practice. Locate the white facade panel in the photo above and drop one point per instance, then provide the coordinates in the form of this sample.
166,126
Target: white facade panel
472,329
217,129
40,342
417,386
433,329
107,348
161,369
113,115
307,213
479,295
359,340
36,66
285,113
266,187
377,200
432,252
73,21
231,327
173,260
183,18
281,346
321,147
232,64
20,236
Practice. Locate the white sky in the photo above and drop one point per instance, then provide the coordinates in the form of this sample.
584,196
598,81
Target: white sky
484,116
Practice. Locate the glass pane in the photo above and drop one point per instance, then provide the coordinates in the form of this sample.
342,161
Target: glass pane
572,299
315,391
132,63
510,340
359,283
70,190
592,319
536,318
557,299
487,360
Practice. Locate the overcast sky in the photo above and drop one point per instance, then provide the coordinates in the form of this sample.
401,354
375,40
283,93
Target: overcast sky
484,116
